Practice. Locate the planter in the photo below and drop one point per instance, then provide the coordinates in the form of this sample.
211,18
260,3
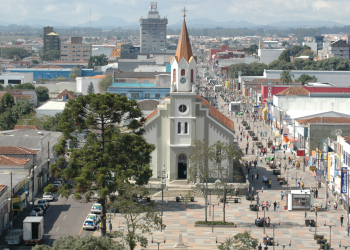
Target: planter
315,236
307,223
177,199
248,197
322,246
192,199
148,199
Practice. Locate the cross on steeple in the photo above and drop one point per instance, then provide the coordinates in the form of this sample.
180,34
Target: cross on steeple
184,11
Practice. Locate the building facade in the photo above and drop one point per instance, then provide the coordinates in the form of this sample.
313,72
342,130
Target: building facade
51,39
76,50
153,31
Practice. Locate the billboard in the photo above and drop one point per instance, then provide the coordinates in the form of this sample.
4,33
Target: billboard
344,180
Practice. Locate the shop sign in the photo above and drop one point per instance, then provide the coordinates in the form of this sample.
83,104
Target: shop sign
344,180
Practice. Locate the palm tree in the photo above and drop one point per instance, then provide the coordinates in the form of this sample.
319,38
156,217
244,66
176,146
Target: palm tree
286,77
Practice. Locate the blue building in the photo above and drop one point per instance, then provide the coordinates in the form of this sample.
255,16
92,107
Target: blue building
140,93
51,73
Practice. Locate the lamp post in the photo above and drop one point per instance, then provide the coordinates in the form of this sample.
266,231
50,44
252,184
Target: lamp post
305,202
163,186
316,209
330,231
212,220
158,242
266,207
296,179
251,195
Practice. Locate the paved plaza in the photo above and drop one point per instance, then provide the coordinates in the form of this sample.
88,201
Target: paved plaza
289,225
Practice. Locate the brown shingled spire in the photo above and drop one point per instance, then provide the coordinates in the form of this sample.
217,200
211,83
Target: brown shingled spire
184,45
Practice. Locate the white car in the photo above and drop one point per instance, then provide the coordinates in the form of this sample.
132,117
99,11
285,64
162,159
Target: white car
93,217
48,196
96,208
37,211
89,224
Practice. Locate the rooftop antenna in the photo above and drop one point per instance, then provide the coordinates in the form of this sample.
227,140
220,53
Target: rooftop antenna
153,6
90,23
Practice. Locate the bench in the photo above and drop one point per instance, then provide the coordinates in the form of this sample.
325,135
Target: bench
178,199
233,199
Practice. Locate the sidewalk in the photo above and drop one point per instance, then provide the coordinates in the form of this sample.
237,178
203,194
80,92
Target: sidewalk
18,220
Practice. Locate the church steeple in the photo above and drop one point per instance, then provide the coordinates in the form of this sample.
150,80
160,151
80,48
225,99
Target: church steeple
184,49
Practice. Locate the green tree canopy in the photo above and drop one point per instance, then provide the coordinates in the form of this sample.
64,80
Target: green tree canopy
105,83
51,55
43,93
99,60
253,69
284,56
304,79
253,49
286,77
109,156
74,73
17,53
87,242
22,107
91,89
27,85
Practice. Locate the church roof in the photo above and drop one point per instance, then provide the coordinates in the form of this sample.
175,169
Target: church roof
217,114
184,46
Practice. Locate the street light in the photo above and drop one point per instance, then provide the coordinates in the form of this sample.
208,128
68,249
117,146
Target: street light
330,231
266,207
158,242
163,185
251,193
316,209
212,220
305,201
296,179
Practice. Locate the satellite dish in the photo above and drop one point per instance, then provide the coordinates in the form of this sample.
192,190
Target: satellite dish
336,132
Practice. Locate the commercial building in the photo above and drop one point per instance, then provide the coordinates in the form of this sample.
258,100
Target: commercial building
269,55
54,106
30,94
153,31
76,50
337,49
4,206
51,39
55,88
7,78
226,53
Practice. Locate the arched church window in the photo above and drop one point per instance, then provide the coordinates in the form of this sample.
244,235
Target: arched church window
174,75
186,127
179,128
191,75
183,72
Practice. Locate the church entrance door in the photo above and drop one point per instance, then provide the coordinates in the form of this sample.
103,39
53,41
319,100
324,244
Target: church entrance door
182,167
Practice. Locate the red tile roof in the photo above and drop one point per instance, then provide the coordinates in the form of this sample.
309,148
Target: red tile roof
25,127
6,160
12,150
152,114
217,114
325,120
65,93
294,90
45,66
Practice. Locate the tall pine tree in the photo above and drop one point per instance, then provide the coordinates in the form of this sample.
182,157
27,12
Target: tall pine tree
91,89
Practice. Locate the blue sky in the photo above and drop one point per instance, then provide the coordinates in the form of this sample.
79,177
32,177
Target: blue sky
256,11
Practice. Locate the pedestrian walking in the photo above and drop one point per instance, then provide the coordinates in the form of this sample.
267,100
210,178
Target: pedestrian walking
278,206
274,206
247,137
282,195
252,151
285,167
335,205
260,159
329,206
260,247
341,220
257,175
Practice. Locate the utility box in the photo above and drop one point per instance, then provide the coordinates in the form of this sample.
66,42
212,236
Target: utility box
234,106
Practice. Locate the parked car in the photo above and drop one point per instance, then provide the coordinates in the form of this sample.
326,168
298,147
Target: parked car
96,208
37,211
44,203
14,237
57,183
60,181
94,217
89,224
48,196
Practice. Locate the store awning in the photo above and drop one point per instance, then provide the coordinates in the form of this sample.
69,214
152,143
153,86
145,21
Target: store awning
18,206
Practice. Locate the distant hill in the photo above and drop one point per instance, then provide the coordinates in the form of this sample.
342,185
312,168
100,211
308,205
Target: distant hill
4,23
306,24
207,23
43,23
108,22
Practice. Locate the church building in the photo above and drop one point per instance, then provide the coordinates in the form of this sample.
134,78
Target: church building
183,118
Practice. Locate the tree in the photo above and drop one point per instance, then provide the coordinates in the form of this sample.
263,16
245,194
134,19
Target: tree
87,242
284,56
43,93
74,73
199,172
105,83
46,122
241,241
27,85
286,77
91,89
109,155
99,60
284,43
139,219
51,55
2,87
9,86
15,53
7,102
227,156
304,79
22,107
307,52
35,62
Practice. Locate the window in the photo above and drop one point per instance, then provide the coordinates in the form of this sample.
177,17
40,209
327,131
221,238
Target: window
174,75
182,108
147,95
123,94
179,128
157,95
183,72
186,128
191,75
167,94
135,95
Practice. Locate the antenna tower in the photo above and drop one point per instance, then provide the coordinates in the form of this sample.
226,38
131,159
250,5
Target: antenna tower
90,24
153,6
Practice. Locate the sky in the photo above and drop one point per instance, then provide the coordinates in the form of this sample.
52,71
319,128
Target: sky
260,12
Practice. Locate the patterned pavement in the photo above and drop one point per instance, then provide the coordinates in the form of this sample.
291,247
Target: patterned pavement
289,226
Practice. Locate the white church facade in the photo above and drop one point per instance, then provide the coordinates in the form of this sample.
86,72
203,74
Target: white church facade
183,118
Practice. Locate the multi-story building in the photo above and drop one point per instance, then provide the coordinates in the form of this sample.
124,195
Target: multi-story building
153,31
76,50
337,49
51,39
